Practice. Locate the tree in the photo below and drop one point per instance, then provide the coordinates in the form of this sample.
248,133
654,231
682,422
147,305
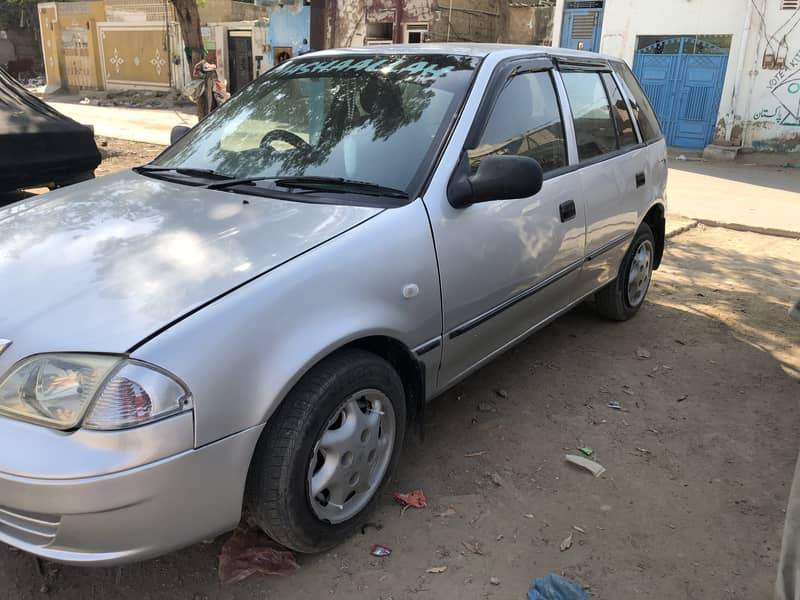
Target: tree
18,14
189,21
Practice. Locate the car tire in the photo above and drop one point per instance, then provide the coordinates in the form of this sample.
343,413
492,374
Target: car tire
622,298
327,453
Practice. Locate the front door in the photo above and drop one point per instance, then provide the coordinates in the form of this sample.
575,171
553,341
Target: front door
240,57
683,78
583,21
508,265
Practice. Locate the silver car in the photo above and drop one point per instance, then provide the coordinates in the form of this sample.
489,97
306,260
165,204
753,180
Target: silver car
254,318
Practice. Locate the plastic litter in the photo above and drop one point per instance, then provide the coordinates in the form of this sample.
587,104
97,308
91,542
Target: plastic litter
436,570
594,468
586,450
615,405
414,499
380,551
566,543
556,587
251,551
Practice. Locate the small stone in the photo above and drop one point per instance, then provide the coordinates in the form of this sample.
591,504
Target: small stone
494,581
642,353
502,393
496,479
486,407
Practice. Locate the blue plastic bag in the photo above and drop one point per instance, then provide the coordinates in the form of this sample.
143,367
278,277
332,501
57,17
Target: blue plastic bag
555,587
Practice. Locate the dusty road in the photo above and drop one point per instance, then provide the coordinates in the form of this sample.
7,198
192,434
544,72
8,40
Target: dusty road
699,461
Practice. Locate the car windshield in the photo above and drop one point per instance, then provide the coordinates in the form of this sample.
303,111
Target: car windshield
376,119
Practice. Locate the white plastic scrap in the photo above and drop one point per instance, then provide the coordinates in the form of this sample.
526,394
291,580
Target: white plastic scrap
594,468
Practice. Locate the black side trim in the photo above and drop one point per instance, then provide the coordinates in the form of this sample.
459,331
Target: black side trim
473,323
428,346
480,319
609,246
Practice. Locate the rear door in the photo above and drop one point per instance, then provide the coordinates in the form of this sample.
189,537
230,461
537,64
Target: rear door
508,265
611,170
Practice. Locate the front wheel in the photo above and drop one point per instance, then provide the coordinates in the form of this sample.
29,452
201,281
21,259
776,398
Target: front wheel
622,298
327,453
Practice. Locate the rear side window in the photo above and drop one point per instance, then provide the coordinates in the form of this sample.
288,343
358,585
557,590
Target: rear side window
622,118
595,131
525,121
642,111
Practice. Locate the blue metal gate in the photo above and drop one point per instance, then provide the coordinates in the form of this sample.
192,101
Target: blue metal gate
583,20
683,79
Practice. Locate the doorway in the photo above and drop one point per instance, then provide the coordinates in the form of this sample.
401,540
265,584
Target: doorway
583,22
683,78
240,59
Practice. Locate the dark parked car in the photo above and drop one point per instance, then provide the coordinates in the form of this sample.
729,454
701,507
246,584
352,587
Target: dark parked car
39,145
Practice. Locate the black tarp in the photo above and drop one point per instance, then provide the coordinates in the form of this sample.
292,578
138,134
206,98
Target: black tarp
39,145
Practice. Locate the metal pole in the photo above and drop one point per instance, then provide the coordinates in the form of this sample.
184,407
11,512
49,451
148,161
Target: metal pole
449,19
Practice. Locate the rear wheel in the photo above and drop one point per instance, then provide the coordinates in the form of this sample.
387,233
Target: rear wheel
622,298
328,452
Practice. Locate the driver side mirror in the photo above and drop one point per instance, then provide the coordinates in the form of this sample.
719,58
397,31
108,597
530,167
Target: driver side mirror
499,177
177,133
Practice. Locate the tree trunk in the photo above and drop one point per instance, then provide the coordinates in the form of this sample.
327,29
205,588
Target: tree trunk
189,21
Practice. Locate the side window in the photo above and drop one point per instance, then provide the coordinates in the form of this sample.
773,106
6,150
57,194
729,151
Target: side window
525,121
642,111
622,118
595,131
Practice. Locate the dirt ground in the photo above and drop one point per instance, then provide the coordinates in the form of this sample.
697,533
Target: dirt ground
123,154
699,461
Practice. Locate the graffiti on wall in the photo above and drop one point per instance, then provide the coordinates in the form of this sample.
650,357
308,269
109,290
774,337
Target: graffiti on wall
785,89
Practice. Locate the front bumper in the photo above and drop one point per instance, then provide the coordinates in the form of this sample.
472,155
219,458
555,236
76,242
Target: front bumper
132,514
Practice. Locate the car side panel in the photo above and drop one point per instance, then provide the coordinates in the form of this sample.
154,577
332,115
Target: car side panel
250,347
613,208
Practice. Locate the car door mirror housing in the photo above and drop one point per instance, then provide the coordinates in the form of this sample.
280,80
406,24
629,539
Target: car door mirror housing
499,177
177,133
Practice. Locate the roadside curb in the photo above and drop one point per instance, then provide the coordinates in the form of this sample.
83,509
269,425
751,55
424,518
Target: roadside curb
682,229
785,233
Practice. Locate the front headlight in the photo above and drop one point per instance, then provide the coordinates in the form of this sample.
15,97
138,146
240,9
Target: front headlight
57,390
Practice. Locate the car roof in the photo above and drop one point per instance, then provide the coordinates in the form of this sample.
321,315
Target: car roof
479,50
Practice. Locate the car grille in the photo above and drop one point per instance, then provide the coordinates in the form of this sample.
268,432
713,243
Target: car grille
28,527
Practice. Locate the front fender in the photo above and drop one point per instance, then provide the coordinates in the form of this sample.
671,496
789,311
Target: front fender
241,355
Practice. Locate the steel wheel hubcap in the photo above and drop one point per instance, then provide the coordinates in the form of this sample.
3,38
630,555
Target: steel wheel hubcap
640,273
351,456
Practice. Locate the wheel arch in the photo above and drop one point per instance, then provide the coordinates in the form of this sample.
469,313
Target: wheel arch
396,353
656,221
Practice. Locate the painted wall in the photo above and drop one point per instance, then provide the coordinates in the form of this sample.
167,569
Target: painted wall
767,115
289,26
751,111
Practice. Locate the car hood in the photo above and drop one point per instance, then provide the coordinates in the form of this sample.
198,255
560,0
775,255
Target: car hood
101,265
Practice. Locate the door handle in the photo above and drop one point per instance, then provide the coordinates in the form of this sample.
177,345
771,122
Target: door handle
567,211
640,180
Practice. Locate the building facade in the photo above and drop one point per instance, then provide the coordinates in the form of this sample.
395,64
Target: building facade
136,44
716,71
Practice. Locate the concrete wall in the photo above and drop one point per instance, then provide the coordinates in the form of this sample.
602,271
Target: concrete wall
529,25
750,112
289,27
767,115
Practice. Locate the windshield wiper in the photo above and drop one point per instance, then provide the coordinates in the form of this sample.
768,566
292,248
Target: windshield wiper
313,182
190,171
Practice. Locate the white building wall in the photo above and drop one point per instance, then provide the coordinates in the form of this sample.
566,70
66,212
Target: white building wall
750,113
767,115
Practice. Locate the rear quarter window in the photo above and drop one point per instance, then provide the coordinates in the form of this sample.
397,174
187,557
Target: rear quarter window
642,110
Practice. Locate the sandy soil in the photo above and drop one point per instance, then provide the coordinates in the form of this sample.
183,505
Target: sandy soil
699,461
